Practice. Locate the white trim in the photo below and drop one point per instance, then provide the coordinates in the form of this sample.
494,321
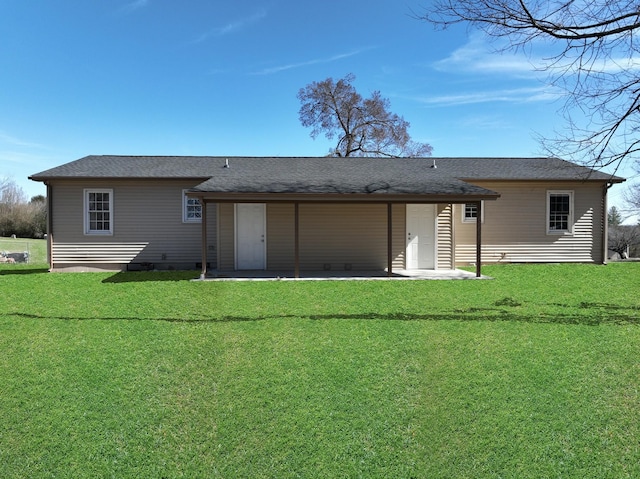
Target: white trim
185,202
569,230
87,223
471,220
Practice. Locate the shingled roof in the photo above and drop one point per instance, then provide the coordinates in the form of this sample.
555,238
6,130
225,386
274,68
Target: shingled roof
326,175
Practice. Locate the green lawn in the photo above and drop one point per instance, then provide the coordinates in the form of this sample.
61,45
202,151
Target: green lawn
533,374
37,249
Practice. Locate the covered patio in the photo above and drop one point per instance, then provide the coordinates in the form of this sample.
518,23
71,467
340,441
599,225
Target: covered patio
301,182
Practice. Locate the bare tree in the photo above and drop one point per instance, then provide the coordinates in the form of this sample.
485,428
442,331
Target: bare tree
594,59
364,127
632,199
631,195
622,238
11,193
18,216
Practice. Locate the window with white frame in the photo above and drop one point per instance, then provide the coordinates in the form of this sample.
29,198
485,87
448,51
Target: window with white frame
191,209
98,211
470,213
559,212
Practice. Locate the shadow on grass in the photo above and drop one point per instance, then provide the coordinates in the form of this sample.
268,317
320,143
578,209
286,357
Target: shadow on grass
597,315
221,319
22,270
151,276
490,315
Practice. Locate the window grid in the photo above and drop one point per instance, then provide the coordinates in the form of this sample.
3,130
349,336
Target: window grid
192,209
99,212
559,211
470,211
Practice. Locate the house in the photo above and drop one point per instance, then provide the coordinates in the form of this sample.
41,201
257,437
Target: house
297,214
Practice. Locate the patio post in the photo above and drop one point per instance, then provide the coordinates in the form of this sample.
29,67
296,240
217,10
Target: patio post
389,241
479,239
203,273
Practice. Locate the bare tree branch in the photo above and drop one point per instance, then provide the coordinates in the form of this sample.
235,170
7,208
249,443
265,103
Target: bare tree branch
364,127
597,64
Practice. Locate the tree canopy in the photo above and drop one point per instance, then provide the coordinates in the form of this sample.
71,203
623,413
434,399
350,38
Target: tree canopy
594,59
614,218
362,126
18,216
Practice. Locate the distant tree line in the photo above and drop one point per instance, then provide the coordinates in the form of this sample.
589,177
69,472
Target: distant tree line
19,216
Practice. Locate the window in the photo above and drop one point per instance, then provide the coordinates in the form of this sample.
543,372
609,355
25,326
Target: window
559,212
98,212
191,209
470,212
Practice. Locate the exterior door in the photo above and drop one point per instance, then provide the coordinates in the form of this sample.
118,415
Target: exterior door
250,236
421,237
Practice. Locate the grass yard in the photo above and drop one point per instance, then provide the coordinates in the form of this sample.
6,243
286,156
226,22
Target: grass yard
37,249
533,374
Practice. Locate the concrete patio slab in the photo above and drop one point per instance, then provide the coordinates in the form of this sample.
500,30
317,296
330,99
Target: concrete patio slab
401,274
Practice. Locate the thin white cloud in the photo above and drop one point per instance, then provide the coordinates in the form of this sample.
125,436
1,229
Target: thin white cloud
20,158
476,56
291,66
486,122
613,65
133,6
7,139
231,27
509,95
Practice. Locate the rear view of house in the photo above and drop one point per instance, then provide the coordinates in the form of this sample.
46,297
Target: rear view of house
338,214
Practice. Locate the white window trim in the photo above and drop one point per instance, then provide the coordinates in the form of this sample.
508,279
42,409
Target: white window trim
185,218
471,220
568,231
87,223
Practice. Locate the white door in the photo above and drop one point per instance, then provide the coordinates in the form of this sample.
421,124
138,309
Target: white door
250,236
421,237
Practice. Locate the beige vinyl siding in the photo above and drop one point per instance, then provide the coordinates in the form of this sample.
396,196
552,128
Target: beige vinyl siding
445,259
226,232
343,236
280,236
147,226
337,236
515,225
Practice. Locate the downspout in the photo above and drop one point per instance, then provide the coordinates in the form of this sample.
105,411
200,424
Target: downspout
49,225
605,222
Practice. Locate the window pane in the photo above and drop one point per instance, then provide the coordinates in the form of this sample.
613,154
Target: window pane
98,212
559,210
192,209
470,211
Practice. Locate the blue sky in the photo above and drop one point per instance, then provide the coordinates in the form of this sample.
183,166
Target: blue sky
160,77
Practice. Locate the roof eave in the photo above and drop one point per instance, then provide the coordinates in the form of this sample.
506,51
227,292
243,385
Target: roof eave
117,178
612,179
225,197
